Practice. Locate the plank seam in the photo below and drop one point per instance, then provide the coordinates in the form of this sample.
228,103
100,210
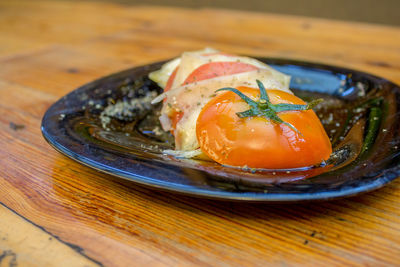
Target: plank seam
74,247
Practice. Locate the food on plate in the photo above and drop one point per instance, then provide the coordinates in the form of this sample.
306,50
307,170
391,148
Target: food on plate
239,112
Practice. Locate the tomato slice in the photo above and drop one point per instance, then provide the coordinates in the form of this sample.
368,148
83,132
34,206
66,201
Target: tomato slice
175,118
216,69
171,79
258,142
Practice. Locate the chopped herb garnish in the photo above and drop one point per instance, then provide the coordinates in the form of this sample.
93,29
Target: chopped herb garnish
264,108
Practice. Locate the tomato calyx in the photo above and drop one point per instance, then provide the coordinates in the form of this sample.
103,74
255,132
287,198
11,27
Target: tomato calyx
264,108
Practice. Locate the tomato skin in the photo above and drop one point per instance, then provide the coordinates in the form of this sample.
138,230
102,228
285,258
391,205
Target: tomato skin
216,69
256,142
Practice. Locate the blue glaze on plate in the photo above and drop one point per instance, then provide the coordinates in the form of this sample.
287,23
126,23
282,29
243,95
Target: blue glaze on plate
312,79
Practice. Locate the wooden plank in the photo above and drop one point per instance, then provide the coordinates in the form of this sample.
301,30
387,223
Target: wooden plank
25,99
56,22
56,70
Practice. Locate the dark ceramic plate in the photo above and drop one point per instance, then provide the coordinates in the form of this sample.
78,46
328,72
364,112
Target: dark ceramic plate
360,114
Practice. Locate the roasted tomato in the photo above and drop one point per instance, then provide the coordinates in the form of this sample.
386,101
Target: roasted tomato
254,134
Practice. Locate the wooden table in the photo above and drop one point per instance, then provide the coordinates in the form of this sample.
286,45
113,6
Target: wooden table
54,211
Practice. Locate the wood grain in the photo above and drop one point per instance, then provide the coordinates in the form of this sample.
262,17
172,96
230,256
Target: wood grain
49,48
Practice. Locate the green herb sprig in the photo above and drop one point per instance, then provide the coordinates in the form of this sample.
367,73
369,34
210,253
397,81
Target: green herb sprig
264,108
